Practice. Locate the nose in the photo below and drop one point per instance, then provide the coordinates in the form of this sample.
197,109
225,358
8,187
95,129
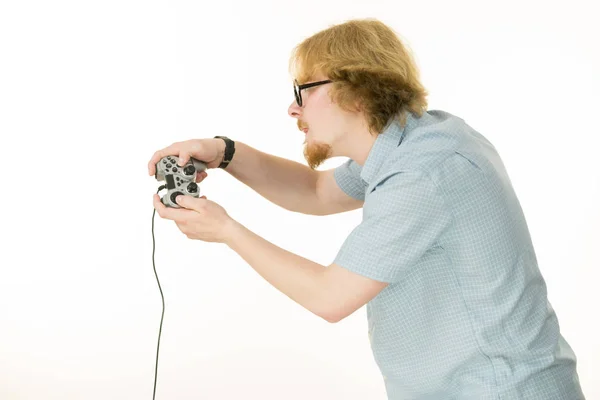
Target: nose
294,110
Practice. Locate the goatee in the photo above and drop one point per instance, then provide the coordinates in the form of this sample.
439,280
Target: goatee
316,153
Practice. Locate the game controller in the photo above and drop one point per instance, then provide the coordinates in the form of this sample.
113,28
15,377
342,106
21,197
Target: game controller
180,180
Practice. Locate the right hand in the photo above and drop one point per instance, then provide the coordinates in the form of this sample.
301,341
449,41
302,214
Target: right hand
209,151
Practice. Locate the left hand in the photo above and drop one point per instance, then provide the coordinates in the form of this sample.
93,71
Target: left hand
199,218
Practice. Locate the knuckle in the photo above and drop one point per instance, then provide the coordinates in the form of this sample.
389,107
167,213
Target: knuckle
158,156
196,145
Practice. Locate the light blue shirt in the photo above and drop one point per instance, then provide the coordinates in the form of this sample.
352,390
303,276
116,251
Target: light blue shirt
466,314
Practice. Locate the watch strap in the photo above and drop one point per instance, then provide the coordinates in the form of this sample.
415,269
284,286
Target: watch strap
229,151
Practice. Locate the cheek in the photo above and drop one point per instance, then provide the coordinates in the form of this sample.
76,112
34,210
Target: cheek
320,113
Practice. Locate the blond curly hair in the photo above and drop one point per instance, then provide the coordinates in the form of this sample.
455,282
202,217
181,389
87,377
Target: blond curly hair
372,70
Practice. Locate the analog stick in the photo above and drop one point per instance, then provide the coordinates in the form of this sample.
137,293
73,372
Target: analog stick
189,170
192,187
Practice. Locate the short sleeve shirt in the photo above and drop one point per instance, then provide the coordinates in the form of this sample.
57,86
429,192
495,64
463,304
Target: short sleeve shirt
465,314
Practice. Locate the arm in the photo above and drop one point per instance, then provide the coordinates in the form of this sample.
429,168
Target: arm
332,198
289,184
331,293
284,182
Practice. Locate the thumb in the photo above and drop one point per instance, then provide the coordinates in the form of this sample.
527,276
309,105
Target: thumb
188,201
183,159
184,201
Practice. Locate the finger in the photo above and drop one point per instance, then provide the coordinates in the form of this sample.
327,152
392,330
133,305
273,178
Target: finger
182,227
160,208
185,201
191,203
165,212
200,176
184,156
171,150
158,205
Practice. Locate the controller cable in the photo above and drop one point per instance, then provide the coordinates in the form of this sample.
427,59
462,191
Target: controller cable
161,295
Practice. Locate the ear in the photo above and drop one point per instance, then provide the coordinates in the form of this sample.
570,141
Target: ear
356,106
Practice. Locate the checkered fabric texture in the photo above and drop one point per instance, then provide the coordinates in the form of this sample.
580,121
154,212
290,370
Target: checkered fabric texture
466,313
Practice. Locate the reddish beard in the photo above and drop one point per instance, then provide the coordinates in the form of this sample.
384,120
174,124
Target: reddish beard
316,153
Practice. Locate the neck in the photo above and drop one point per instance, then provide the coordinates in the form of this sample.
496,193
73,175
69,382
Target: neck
356,143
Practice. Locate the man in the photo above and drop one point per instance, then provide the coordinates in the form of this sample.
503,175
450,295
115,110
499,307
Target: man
456,305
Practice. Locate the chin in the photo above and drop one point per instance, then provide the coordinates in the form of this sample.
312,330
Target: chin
316,153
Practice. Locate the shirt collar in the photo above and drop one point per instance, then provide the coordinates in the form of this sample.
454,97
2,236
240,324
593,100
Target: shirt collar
384,144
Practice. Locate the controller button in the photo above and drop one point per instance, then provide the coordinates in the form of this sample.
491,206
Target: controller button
168,165
164,161
189,170
174,169
192,187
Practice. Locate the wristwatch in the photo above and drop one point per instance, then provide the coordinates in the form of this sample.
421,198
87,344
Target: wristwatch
229,150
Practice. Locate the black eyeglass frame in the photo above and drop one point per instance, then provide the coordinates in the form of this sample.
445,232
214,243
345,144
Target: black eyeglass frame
298,89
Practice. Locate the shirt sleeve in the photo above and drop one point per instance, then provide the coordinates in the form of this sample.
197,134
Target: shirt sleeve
347,176
402,219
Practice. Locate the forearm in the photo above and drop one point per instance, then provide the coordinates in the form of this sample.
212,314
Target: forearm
300,279
284,182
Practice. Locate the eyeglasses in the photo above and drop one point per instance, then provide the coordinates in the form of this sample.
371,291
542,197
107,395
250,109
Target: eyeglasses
298,89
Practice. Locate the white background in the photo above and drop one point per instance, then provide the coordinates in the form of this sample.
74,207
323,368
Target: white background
88,92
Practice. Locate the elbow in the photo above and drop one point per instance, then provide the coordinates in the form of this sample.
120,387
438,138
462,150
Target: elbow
331,314
329,306
334,312
332,319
